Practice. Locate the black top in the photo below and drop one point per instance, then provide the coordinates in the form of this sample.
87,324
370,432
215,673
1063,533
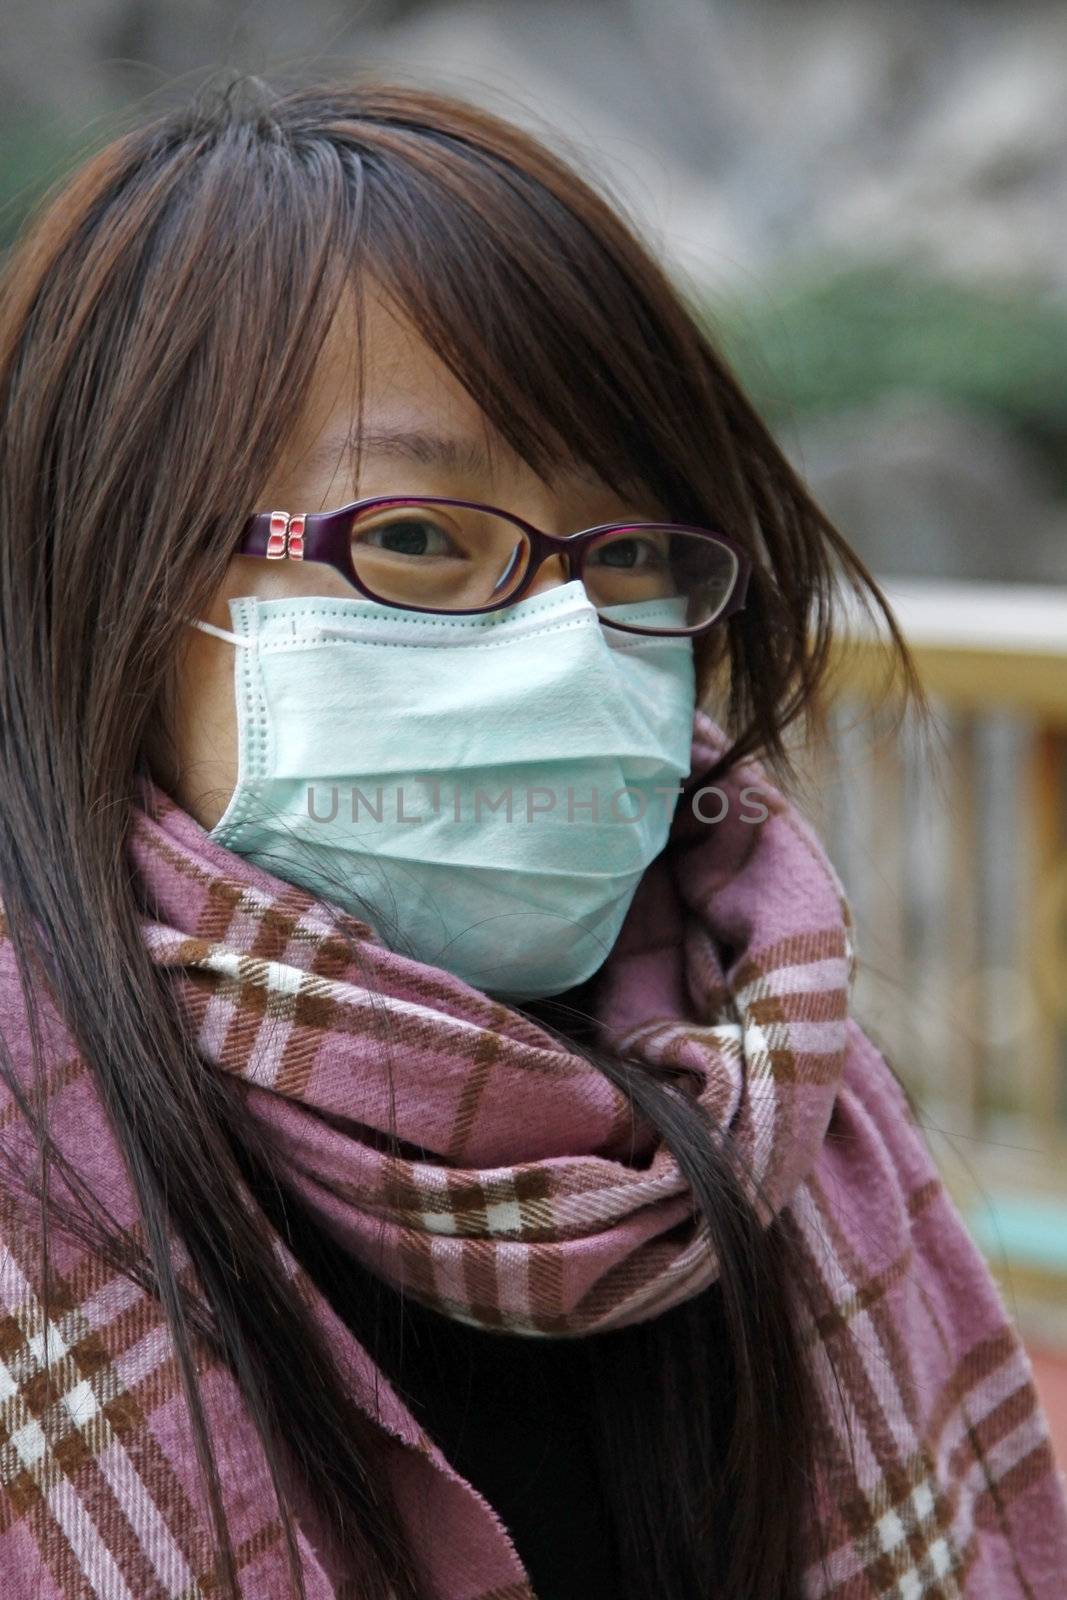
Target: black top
512,1415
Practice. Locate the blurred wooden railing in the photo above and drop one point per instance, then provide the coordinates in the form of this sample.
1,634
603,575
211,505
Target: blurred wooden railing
952,844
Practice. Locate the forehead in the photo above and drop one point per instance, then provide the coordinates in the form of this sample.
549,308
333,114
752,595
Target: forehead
413,407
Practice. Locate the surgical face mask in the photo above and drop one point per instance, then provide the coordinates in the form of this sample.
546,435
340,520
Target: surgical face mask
485,791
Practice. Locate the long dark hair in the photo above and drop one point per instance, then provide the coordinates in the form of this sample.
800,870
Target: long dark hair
158,327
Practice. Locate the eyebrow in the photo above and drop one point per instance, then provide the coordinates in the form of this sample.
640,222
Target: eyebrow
422,446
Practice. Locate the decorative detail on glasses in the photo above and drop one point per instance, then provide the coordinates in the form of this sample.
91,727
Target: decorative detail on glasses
295,543
279,521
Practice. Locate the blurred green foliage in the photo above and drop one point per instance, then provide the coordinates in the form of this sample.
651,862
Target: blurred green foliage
830,340
34,154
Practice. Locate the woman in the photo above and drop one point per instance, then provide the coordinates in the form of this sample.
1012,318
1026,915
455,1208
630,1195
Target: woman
438,1158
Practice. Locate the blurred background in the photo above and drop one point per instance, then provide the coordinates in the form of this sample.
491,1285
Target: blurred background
868,206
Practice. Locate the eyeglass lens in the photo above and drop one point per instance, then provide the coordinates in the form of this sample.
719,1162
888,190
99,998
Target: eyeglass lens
452,558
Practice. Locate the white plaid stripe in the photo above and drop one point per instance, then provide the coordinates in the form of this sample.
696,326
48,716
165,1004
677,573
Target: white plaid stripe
31,1446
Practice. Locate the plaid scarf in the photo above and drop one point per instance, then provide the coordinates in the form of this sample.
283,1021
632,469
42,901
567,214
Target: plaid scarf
530,1197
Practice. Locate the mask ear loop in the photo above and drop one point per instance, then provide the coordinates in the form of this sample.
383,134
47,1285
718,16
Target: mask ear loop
220,633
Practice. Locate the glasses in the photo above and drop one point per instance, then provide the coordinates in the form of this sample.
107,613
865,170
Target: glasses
458,556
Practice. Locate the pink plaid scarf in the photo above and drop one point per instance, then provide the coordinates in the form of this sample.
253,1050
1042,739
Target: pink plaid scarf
537,1201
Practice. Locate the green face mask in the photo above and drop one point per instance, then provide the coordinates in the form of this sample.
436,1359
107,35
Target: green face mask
485,791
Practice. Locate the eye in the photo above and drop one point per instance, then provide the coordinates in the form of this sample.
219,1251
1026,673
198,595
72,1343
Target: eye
630,552
407,536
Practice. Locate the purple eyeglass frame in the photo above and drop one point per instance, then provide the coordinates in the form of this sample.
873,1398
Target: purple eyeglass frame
325,536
